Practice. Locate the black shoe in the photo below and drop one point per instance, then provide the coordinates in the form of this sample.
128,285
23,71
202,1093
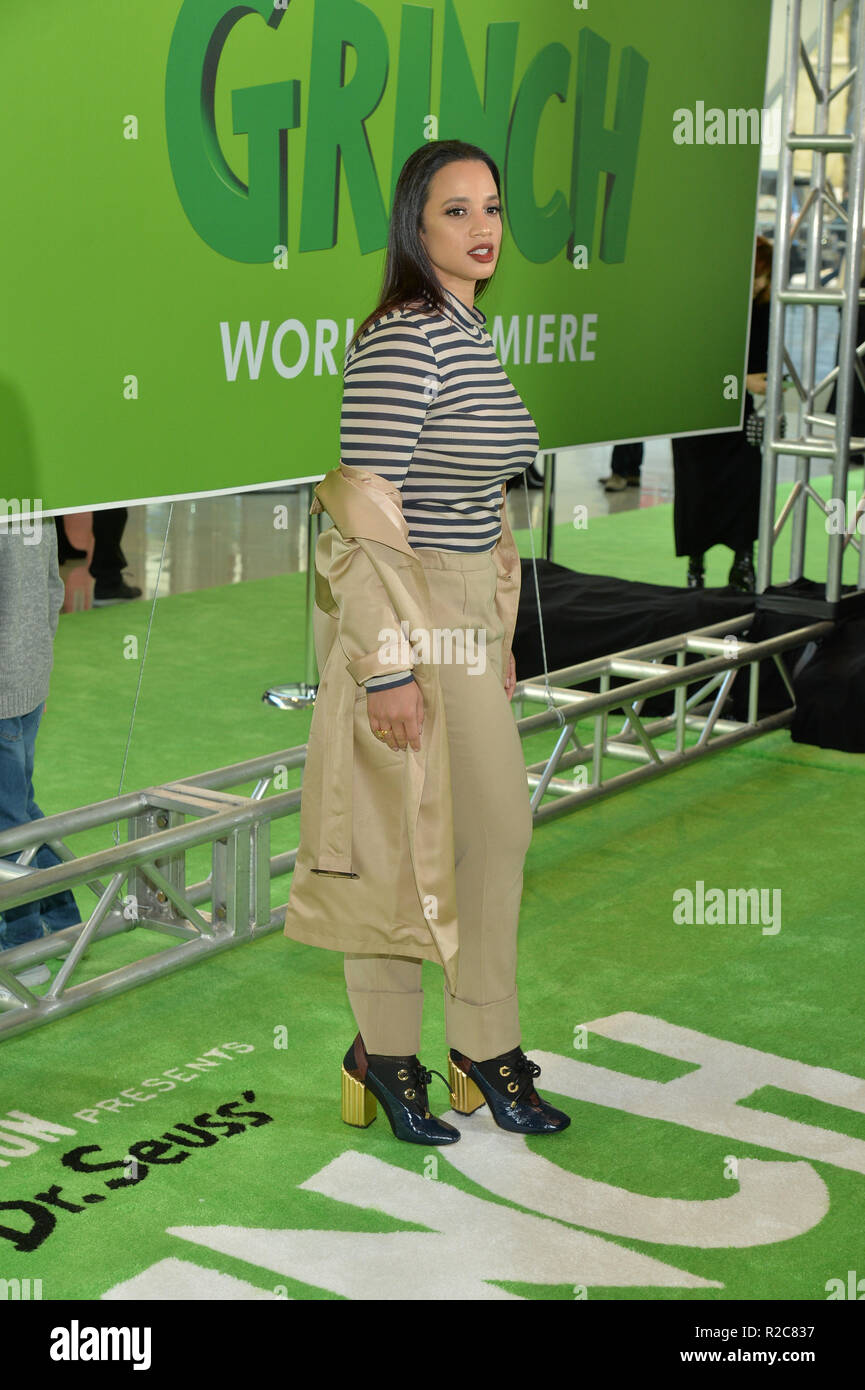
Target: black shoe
507,1085
696,573
103,594
742,576
400,1084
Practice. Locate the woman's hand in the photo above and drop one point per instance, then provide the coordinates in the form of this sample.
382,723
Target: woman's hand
511,677
756,383
400,711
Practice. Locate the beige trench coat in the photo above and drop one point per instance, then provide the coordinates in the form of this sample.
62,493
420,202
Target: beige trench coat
361,811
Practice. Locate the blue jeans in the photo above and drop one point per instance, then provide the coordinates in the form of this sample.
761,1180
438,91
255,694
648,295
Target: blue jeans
18,807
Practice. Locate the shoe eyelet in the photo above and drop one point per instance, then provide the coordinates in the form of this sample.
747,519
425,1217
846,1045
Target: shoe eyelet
409,1095
504,1071
513,1086
402,1074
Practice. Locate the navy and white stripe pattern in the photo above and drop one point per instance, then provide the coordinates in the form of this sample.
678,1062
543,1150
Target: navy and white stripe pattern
428,406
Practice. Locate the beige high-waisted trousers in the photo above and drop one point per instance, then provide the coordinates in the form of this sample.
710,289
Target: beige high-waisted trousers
492,833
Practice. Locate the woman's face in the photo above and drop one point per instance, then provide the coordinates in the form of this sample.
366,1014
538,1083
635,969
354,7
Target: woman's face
760,283
462,212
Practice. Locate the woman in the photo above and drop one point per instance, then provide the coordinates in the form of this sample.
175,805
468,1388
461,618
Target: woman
431,429
717,476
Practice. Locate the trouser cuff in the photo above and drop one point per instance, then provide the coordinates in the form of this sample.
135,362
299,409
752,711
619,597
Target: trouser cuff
481,1031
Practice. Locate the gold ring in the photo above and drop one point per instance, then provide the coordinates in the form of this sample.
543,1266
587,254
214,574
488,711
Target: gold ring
381,733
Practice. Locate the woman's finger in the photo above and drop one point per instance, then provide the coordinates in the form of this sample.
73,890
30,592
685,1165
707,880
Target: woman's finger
376,728
400,735
396,736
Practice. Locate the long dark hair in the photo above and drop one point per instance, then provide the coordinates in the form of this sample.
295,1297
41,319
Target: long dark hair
763,266
408,272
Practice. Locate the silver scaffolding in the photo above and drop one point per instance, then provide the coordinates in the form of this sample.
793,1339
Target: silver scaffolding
141,885
834,444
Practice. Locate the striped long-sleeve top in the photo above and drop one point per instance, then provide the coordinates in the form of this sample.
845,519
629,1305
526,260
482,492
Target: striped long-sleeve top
428,406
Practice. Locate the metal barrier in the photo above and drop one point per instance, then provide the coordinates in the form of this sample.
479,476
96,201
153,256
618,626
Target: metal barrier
146,888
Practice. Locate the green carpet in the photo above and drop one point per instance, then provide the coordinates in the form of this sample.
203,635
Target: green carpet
749,1188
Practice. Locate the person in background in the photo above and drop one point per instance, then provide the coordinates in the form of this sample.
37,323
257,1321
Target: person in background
717,476
108,560
626,467
857,417
31,595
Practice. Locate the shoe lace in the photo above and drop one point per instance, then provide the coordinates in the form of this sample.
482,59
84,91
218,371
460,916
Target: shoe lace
419,1078
517,1072
526,1071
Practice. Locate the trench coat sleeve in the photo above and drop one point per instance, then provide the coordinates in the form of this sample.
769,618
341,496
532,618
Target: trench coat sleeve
349,586
370,633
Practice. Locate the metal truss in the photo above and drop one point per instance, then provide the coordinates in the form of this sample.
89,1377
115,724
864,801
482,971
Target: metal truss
142,883
696,723
834,444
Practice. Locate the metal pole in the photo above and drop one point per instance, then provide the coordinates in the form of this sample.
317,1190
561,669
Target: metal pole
849,316
550,501
301,694
813,264
777,310
311,532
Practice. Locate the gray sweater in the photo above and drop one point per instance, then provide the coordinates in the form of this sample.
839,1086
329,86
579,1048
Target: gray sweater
31,596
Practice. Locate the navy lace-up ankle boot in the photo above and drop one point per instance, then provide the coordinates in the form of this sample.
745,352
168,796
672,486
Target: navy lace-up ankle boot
399,1084
507,1085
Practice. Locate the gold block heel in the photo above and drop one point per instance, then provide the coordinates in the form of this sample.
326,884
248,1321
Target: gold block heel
358,1103
465,1094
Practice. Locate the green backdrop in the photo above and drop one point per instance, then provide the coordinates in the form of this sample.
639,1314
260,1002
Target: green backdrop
155,341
